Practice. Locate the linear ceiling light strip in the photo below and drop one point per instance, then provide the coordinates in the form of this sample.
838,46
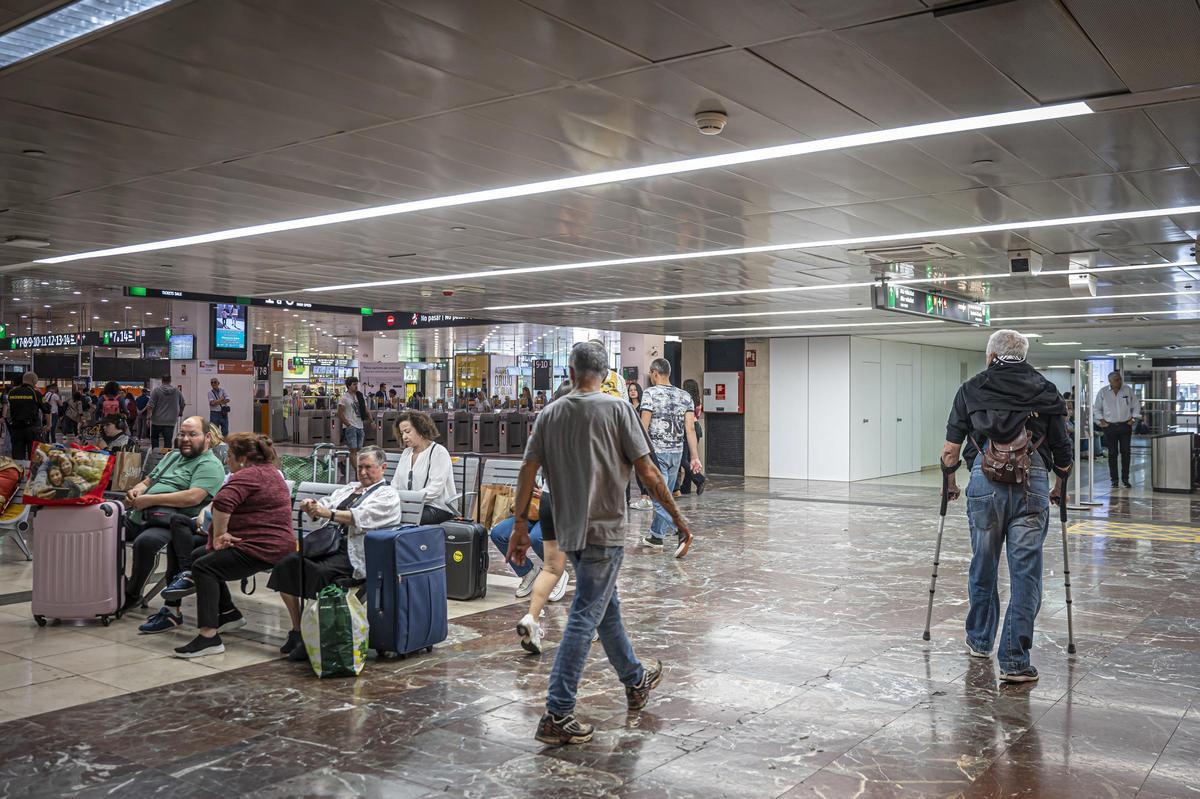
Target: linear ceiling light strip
66,24
1184,312
823,327
983,122
767,248
825,287
742,314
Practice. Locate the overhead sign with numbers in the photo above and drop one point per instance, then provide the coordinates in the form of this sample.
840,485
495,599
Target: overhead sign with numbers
931,305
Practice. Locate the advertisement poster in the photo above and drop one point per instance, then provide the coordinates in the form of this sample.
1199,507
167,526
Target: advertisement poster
229,331
296,369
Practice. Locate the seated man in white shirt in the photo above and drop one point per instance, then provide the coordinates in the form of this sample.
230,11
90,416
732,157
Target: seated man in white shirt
1117,412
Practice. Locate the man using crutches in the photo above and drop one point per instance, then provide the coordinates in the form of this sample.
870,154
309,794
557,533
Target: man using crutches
1014,423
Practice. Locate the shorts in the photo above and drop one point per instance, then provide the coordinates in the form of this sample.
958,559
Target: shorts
353,437
546,517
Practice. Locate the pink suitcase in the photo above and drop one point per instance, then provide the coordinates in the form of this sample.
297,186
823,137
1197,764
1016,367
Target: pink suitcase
79,562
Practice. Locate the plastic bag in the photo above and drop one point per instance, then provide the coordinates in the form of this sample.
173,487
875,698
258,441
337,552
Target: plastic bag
335,631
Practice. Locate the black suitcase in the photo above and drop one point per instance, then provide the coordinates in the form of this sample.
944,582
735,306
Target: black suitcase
466,559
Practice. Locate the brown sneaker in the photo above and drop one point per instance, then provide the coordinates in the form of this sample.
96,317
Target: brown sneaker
638,695
685,543
560,731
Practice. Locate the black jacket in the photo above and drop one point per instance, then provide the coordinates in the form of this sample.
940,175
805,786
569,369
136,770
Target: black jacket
996,403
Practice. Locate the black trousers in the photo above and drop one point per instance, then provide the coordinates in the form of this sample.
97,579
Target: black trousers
430,515
1117,436
689,478
162,431
211,570
22,440
181,547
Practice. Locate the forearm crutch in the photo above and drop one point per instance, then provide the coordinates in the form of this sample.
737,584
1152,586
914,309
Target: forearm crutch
1062,514
937,552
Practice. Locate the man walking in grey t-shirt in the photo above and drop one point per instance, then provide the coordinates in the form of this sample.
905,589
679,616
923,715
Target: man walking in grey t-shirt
165,409
587,442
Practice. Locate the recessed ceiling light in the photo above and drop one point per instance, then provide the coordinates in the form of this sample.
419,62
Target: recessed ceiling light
102,299
796,245
45,282
1060,111
77,293
983,162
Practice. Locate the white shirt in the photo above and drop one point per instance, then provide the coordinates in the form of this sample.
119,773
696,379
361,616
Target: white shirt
55,401
1115,407
349,403
379,510
431,474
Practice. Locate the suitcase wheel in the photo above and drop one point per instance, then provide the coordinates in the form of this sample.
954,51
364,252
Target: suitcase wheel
429,649
41,620
105,620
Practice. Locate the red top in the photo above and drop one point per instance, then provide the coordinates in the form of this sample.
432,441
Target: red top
260,509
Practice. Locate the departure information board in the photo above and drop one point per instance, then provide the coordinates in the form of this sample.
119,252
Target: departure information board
930,305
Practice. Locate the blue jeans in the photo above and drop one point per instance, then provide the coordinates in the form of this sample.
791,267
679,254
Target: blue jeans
668,465
221,420
502,532
1016,518
595,608
352,437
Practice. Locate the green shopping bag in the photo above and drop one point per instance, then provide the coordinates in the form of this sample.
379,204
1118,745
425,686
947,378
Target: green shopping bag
335,631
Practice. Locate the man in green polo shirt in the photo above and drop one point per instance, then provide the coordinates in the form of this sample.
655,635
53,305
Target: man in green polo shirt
184,481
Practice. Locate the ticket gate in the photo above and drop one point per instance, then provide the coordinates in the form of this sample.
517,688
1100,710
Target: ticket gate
312,427
443,424
513,432
485,433
459,435
387,429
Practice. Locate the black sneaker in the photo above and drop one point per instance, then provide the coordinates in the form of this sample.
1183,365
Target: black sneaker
1127,484
1028,674
299,653
652,542
566,730
1115,484
638,695
200,646
293,641
230,620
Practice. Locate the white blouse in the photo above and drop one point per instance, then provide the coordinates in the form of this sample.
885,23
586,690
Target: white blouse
432,474
379,510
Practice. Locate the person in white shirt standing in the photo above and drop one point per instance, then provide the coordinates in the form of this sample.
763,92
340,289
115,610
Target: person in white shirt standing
1118,411
352,414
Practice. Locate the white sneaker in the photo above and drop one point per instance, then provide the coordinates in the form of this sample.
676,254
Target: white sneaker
560,588
526,586
642,503
531,634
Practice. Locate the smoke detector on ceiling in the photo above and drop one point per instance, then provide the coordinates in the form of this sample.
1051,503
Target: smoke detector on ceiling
907,253
711,123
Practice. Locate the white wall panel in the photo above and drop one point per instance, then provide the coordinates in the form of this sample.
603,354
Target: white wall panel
829,408
789,408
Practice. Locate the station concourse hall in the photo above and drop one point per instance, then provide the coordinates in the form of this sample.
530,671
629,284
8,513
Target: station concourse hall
771,399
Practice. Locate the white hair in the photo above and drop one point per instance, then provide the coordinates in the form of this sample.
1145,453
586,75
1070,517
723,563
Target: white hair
1008,346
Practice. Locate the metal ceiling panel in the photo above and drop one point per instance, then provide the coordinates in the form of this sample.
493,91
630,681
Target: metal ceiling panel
753,21
1168,188
838,69
1049,149
932,58
1150,43
1177,122
1038,46
517,28
1107,193
1127,140
639,26
835,14
979,158
772,92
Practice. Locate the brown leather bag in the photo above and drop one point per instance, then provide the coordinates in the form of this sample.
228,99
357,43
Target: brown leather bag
1009,462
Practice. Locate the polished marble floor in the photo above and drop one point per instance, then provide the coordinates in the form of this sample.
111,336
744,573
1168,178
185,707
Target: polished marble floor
795,667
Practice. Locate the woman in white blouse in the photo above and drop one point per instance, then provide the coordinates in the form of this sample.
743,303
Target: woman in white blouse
425,466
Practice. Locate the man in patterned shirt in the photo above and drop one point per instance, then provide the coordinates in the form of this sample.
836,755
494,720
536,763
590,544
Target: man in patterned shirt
668,415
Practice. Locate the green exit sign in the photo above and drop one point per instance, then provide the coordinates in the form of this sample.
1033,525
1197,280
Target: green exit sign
137,291
3,331
365,311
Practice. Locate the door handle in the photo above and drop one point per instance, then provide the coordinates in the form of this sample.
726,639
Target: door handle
898,419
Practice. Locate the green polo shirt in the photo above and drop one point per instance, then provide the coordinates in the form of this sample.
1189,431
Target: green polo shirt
177,473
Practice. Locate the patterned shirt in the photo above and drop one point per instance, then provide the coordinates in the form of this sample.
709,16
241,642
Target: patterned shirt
668,407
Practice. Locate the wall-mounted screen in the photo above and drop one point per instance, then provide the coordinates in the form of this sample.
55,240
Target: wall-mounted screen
228,330
183,347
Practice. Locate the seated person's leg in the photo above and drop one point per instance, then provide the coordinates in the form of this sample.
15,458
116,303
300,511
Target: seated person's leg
214,605
430,515
318,573
146,546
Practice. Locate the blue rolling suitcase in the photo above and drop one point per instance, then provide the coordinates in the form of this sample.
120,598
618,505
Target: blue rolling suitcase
406,589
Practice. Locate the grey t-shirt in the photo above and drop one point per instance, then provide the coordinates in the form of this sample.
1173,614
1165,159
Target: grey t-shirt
587,444
349,403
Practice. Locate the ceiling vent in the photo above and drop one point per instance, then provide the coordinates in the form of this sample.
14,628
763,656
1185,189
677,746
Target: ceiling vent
907,253
27,242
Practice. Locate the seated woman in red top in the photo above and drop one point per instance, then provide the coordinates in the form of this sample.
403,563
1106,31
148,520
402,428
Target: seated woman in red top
251,532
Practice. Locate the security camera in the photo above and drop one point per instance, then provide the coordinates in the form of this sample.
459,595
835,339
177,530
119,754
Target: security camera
1025,262
711,123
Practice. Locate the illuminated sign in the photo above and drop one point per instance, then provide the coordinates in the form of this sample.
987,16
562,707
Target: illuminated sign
931,305
48,340
407,320
265,302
